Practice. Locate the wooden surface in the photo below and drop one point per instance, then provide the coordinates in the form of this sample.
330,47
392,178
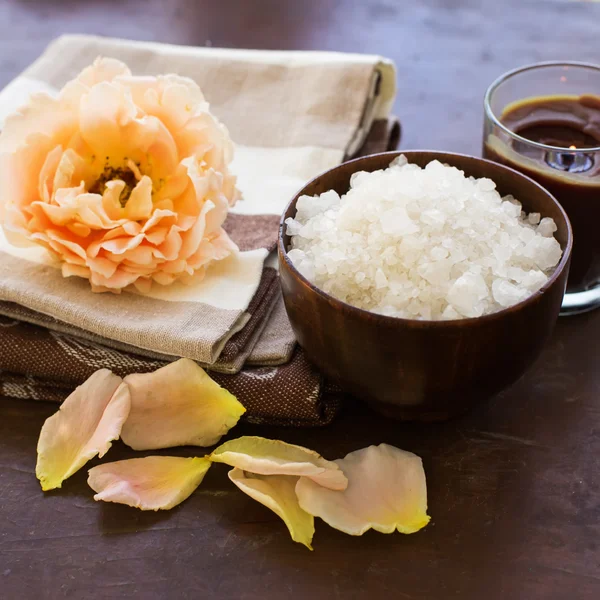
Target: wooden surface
514,490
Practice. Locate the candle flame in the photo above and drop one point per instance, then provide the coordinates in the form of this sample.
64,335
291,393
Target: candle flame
572,147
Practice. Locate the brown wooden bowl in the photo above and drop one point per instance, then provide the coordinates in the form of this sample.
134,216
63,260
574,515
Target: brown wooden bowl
425,370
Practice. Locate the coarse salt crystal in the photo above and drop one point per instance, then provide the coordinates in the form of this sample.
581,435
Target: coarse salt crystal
422,243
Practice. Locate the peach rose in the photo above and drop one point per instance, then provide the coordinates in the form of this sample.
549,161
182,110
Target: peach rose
123,179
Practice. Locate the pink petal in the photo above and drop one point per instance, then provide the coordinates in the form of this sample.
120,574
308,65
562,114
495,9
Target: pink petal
273,457
178,405
277,492
84,426
386,491
151,483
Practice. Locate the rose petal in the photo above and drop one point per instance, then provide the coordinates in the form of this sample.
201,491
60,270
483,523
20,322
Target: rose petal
79,229
102,69
172,98
47,173
165,279
277,492
151,483
44,118
60,164
143,285
274,457
104,111
178,405
139,205
70,270
85,425
115,283
115,246
386,491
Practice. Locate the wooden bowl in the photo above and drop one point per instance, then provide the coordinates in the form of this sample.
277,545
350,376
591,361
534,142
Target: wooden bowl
424,370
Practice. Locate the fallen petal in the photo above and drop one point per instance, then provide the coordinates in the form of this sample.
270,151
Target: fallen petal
151,483
178,405
277,492
84,426
386,491
273,457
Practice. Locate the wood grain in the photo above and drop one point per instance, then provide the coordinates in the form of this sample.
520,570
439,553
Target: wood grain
514,487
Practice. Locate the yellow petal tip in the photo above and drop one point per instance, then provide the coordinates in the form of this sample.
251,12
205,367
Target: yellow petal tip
178,405
68,440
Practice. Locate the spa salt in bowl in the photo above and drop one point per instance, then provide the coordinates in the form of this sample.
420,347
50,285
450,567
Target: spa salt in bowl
426,300
422,243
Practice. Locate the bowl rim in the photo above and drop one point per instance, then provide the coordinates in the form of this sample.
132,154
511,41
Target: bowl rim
450,323
491,114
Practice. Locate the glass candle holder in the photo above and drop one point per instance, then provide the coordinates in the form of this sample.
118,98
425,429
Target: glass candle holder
544,120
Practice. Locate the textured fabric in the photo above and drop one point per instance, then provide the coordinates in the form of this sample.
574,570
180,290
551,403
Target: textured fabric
266,98
291,114
40,364
235,352
277,341
121,320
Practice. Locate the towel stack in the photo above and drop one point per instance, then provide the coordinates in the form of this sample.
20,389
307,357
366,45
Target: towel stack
292,116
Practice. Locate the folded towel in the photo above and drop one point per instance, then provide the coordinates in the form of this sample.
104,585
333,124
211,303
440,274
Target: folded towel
298,113
39,364
291,114
44,359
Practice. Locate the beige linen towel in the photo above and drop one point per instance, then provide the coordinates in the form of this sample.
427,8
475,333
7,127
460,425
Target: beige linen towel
291,114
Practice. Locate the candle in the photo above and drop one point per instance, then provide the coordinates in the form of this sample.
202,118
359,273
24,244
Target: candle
565,130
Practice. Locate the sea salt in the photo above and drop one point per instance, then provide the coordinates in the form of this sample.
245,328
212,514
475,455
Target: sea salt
422,244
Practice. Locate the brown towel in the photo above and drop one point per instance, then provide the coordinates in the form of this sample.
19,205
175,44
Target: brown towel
40,364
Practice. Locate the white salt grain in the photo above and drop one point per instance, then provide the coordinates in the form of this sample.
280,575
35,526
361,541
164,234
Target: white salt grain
547,227
422,244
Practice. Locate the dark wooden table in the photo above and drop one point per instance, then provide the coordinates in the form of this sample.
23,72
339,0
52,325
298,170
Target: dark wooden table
514,488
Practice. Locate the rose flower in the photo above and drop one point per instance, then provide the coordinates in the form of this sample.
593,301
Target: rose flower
123,179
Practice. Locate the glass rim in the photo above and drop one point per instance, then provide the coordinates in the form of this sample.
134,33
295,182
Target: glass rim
531,67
